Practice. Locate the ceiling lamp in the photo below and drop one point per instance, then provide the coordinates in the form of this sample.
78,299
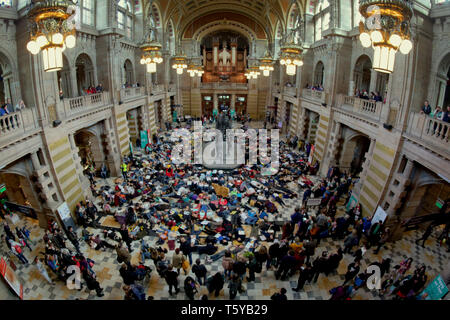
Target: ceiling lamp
252,73
386,29
195,70
179,63
51,31
151,48
291,57
266,64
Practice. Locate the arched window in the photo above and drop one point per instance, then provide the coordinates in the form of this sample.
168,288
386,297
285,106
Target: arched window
322,18
125,17
318,74
357,17
88,12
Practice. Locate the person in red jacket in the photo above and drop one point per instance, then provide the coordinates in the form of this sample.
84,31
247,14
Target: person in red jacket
169,172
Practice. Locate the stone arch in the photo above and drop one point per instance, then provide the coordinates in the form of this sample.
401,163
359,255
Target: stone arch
354,148
362,73
319,73
442,87
9,81
128,72
90,148
85,72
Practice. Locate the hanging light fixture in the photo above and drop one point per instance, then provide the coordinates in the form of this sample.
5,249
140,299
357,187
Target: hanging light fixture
291,53
195,70
51,31
179,63
266,64
151,48
386,29
252,73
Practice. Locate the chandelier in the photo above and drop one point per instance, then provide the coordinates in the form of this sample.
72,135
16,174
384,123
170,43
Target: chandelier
195,70
51,31
179,63
151,48
266,64
252,73
386,29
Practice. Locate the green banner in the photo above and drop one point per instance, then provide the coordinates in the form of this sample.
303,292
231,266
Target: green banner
436,289
144,139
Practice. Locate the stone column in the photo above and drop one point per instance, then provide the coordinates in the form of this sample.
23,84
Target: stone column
76,157
112,156
73,80
373,81
233,101
216,101
233,54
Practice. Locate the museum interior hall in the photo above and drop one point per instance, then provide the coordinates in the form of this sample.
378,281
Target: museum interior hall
224,149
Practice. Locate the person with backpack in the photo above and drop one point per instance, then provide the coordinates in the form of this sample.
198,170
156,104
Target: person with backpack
200,272
190,287
306,274
128,274
253,266
320,265
234,285
92,283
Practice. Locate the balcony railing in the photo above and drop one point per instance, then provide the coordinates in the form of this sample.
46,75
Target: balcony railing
74,106
17,124
367,108
157,88
130,93
429,130
290,91
224,85
319,96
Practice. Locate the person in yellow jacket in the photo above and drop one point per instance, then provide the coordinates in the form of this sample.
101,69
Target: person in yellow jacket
124,169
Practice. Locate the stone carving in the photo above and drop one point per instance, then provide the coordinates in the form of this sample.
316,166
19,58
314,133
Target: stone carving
225,56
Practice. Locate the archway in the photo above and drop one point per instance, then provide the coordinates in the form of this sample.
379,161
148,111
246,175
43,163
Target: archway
64,79
362,73
128,72
90,149
85,73
318,73
353,153
443,83
5,79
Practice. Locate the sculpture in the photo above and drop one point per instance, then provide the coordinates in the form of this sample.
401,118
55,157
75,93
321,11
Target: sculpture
225,56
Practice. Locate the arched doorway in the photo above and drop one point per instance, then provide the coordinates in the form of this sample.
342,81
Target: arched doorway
353,153
64,80
318,73
128,72
5,79
85,73
362,73
443,83
90,150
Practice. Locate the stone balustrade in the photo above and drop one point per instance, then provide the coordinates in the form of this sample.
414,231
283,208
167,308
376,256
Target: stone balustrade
224,85
157,88
368,108
75,106
17,124
130,93
429,130
319,96
290,91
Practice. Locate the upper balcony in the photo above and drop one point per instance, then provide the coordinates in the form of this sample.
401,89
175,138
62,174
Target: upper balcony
80,106
429,132
127,94
314,95
367,109
290,91
224,86
156,89
17,125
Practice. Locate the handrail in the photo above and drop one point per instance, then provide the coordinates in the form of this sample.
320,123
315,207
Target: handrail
430,130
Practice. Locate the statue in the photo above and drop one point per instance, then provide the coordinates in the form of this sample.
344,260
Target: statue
223,123
225,56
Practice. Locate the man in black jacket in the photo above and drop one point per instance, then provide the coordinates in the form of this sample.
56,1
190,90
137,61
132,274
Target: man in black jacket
286,265
200,271
306,274
320,265
172,279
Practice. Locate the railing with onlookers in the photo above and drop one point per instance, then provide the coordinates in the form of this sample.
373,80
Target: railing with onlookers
319,96
17,124
368,108
429,130
75,106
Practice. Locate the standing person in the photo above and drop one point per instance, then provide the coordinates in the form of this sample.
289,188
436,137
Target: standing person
426,234
42,270
252,268
227,264
126,236
186,248
123,255
190,287
384,238
200,272
72,236
306,274
402,268
17,250
178,260
286,265
352,271
279,296
172,279
234,285
215,284
92,283
239,268
426,108
124,169
320,265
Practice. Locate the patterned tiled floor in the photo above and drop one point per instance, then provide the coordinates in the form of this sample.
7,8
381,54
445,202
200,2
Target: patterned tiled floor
107,269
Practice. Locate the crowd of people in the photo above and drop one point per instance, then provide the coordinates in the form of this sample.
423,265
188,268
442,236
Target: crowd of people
438,113
373,96
236,216
317,87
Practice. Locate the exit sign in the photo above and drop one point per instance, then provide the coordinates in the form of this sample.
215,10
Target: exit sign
439,203
2,188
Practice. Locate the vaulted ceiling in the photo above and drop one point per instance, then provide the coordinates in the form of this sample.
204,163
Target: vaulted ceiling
265,14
